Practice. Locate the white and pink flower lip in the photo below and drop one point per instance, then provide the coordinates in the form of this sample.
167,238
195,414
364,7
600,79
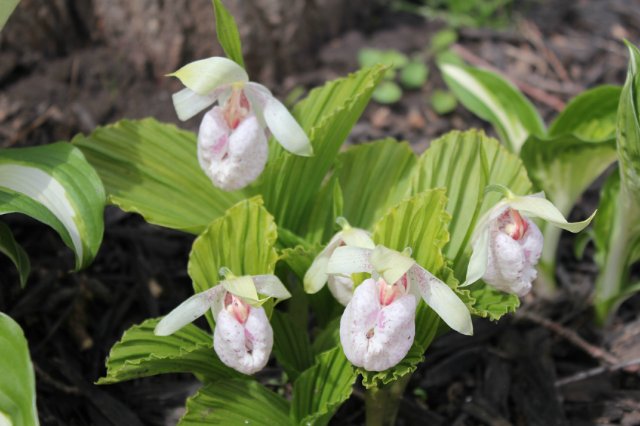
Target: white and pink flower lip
507,244
341,286
377,328
243,337
232,141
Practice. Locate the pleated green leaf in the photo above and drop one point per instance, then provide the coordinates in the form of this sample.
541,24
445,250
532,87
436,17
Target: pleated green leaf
141,353
18,385
15,252
374,177
152,169
227,32
465,163
291,344
495,100
55,185
321,389
290,183
236,402
242,240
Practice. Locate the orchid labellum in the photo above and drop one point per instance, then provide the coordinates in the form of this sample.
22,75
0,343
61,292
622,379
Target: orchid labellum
243,336
378,325
507,244
341,286
232,142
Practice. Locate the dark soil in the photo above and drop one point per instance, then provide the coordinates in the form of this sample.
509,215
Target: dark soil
547,365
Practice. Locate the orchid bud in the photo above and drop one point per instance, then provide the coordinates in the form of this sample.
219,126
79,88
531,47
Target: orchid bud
232,157
377,327
243,337
515,245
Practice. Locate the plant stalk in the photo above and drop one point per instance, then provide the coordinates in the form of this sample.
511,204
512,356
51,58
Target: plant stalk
382,403
546,282
614,273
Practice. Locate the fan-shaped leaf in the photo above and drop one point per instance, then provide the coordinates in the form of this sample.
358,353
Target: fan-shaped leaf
141,353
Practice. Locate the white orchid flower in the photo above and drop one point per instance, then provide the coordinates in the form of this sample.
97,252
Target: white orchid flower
341,286
507,244
232,143
377,327
243,337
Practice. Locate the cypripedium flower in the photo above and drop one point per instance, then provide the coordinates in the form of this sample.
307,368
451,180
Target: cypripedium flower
377,327
507,244
232,143
340,286
243,336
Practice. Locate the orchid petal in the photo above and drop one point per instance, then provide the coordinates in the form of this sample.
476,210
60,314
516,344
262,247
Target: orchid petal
243,287
341,288
186,312
286,129
357,238
188,103
441,298
271,286
537,206
349,260
206,75
478,261
316,276
390,264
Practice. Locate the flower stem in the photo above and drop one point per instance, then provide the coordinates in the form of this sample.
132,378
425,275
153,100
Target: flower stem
546,282
382,403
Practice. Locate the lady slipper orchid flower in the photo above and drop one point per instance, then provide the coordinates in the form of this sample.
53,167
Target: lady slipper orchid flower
507,244
232,143
377,327
243,336
341,286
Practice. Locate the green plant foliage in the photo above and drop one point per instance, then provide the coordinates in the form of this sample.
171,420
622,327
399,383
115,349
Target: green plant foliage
414,75
617,230
495,100
290,183
291,344
443,102
328,206
374,177
236,402
6,9
442,40
15,252
320,390
471,161
141,353
152,169
227,32
589,116
242,240
392,58
388,92
55,185
18,385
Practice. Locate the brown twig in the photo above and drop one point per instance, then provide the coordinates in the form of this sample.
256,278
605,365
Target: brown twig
533,34
570,335
583,375
534,92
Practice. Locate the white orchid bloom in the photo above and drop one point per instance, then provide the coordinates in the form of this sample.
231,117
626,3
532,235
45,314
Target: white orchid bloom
232,143
341,287
507,244
377,327
243,336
